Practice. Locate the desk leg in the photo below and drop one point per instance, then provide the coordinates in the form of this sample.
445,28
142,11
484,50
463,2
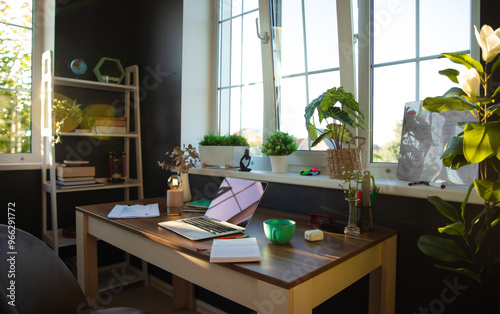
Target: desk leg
183,294
86,259
383,281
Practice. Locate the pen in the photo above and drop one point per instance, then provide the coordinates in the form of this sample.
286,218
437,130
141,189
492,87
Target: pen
234,237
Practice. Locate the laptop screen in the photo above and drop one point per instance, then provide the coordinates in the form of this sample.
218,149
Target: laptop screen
236,201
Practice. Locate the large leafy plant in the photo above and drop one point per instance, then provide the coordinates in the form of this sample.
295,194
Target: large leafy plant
339,109
472,254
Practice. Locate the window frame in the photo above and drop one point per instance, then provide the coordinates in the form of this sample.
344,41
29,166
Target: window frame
42,39
359,87
380,169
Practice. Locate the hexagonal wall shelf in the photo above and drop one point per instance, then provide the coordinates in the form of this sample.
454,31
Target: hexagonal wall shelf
109,70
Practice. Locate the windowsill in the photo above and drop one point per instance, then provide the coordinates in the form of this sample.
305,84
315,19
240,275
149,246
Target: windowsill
19,166
387,186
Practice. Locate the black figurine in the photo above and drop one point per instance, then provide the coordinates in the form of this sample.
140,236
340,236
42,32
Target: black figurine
246,156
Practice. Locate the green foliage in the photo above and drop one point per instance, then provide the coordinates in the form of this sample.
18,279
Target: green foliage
347,113
279,144
479,143
351,181
65,112
15,82
212,139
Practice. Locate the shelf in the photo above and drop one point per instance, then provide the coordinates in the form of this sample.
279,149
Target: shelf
129,135
129,183
64,81
62,241
113,276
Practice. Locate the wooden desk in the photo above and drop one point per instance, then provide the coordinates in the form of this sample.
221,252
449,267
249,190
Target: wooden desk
291,278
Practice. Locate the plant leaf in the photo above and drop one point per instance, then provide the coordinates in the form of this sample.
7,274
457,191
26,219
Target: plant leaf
465,59
451,74
465,201
442,104
456,228
488,190
477,145
445,208
445,250
463,271
475,220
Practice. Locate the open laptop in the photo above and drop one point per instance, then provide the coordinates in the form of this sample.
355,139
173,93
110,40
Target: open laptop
229,212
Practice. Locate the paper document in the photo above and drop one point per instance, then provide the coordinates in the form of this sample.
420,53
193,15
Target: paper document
235,250
135,211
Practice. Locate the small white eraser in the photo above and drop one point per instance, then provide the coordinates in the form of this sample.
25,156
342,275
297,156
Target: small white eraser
313,235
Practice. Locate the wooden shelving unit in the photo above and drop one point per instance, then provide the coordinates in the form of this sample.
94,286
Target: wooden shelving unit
54,236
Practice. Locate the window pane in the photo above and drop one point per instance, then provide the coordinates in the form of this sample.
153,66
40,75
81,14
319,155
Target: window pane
225,54
252,58
393,87
15,77
224,105
18,13
249,5
235,114
293,103
236,51
431,82
444,26
225,7
321,35
393,30
291,38
320,83
252,113
236,7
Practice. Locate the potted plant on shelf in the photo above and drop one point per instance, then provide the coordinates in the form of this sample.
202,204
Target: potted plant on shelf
473,251
222,150
67,116
278,146
182,160
339,110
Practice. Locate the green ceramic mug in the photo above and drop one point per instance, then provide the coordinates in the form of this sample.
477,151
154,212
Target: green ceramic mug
279,231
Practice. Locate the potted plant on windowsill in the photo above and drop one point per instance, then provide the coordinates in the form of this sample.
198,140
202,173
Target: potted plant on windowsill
278,146
339,110
473,253
222,150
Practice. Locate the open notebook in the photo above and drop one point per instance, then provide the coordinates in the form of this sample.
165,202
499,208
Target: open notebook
229,212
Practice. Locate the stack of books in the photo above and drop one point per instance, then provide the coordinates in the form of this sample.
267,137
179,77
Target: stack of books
110,125
76,174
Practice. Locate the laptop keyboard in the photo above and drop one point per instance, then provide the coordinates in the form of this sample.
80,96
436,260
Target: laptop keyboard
208,225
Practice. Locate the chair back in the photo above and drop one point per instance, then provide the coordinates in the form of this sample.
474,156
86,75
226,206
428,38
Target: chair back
38,278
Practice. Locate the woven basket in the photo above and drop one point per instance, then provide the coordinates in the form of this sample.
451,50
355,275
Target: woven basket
345,160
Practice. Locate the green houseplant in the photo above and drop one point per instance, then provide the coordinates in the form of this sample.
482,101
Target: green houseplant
67,116
222,150
472,253
278,146
339,110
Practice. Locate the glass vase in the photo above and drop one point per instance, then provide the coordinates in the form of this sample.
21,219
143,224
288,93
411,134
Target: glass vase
352,228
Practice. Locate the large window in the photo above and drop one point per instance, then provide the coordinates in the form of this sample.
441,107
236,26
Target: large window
240,88
15,76
407,37
314,46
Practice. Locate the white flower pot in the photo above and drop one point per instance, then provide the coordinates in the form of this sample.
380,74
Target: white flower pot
221,156
279,163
